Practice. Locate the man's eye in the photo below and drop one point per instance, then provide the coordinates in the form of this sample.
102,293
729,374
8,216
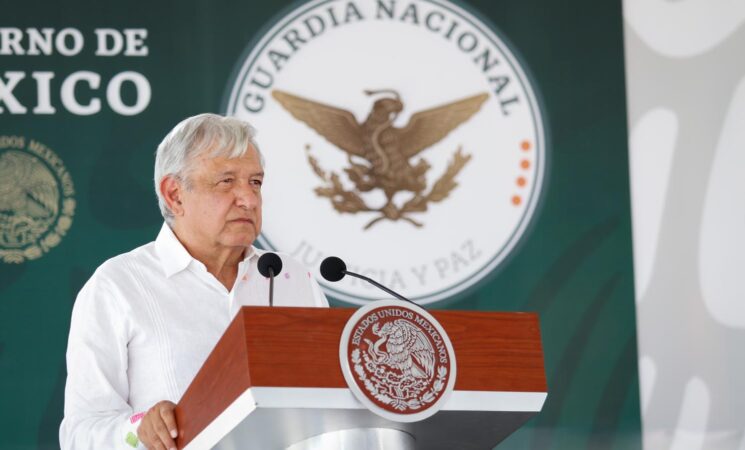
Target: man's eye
226,181
257,182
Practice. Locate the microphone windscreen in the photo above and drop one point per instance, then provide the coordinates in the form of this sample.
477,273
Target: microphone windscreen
267,261
332,268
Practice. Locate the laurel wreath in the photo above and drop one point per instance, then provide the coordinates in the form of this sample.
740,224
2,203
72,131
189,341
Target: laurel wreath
375,387
350,201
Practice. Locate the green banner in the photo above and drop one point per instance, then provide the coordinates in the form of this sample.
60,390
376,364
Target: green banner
496,180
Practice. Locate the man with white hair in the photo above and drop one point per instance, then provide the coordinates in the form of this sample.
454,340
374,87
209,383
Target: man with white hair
146,320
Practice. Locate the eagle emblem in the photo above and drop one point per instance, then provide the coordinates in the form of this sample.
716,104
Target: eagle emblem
399,367
29,199
397,360
407,349
380,154
36,204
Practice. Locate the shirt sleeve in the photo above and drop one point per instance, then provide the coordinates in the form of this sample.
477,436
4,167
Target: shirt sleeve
96,413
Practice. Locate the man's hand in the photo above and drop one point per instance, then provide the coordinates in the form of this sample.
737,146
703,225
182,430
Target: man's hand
157,429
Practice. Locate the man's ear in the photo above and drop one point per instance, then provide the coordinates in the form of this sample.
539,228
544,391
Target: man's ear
171,188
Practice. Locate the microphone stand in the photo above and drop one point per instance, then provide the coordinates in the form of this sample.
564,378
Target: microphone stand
375,283
271,286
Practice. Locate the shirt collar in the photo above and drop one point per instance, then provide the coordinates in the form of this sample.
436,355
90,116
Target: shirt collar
174,257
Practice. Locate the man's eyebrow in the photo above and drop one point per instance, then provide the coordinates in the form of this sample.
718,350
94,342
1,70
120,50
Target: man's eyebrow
233,173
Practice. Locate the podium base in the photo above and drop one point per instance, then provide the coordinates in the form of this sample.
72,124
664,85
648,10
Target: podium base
358,439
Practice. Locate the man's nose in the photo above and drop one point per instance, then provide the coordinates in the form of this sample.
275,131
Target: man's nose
247,196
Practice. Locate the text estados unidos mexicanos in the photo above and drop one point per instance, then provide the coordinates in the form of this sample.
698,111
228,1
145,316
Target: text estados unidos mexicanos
365,323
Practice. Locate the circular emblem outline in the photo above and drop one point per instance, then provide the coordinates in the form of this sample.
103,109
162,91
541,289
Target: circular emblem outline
62,221
364,377
526,81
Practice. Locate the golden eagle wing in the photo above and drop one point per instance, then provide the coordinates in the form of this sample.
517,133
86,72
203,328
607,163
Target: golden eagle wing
337,125
428,127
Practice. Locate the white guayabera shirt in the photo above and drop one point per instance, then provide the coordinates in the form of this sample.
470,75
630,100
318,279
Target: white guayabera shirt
143,325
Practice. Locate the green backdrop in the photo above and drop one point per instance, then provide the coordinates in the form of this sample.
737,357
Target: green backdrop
573,265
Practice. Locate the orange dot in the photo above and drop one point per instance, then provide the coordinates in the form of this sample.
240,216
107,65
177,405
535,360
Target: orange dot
525,145
521,181
525,164
516,200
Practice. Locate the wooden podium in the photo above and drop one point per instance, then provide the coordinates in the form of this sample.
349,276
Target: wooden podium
274,381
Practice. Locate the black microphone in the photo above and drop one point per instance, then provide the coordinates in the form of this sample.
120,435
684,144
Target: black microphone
334,269
270,265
